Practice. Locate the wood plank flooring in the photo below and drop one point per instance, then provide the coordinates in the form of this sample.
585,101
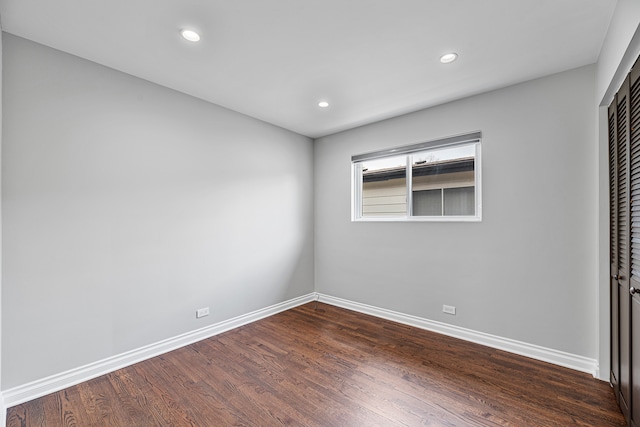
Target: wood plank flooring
330,367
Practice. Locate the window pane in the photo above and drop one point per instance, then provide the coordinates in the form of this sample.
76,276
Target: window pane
445,154
459,201
453,167
384,187
449,173
427,203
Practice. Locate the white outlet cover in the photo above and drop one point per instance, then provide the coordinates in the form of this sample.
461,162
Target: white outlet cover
449,309
202,312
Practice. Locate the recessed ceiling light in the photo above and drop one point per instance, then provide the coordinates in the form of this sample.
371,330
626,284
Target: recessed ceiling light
190,35
323,104
448,57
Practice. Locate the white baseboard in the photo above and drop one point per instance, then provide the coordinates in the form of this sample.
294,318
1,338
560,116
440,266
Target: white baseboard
568,360
33,390
3,412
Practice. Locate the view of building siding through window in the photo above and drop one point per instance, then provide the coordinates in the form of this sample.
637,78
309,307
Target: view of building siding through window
442,183
384,187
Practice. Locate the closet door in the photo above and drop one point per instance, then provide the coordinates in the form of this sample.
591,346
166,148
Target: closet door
613,247
623,237
624,182
634,277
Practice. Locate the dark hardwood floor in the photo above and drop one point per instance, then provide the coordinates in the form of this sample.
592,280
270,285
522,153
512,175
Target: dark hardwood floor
330,367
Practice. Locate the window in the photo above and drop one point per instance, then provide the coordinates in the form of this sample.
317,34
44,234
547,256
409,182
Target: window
431,181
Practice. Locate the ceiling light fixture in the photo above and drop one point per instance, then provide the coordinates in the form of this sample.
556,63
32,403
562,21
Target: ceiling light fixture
190,35
448,57
323,104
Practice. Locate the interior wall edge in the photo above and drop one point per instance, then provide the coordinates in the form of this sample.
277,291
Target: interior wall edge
603,333
556,357
624,67
3,407
35,389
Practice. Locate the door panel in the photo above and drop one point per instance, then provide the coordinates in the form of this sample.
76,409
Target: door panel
635,357
623,237
634,273
614,292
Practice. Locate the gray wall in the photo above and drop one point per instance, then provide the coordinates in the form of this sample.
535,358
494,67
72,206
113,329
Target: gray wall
127,206
526,272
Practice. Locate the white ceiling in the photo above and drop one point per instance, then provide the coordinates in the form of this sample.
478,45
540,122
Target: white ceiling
275,59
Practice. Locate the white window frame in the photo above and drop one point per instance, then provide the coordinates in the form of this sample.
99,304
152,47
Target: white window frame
408,150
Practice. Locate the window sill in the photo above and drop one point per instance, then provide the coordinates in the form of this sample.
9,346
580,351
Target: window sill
421,219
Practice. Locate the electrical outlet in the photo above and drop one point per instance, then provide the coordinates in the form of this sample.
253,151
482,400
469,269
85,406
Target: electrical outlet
449,309
202,312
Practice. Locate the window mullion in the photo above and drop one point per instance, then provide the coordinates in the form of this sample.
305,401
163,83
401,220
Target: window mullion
409,176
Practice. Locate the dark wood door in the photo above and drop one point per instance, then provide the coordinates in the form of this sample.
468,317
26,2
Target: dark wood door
623,238
614,375
633,295
624,181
